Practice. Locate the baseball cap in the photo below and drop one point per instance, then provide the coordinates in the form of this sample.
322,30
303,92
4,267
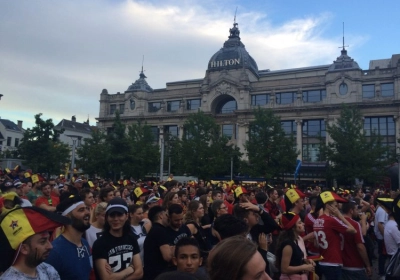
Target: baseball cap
152,199
6,186
17,183
117,204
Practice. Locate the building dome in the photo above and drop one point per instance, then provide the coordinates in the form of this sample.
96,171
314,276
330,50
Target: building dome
140,84
344,62
233,55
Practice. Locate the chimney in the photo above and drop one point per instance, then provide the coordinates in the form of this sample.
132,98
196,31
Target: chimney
19,124
73,119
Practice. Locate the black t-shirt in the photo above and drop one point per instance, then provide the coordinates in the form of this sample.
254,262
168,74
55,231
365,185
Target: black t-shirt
174,235
118,251
154,263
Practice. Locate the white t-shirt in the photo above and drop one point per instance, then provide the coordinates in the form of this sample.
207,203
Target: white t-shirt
391,237
139,232
380,217
92,234
44,271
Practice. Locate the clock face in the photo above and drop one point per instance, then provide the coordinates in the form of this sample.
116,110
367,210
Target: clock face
133,104
343,88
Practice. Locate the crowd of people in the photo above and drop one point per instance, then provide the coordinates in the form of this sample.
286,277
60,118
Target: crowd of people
52,228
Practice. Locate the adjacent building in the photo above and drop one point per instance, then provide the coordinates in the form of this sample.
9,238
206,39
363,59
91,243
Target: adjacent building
10,137
306,99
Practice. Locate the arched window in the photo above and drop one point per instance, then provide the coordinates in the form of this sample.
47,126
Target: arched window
227,106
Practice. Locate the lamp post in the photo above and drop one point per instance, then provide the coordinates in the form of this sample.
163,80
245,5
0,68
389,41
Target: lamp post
1,96
74,139
231,168
162,155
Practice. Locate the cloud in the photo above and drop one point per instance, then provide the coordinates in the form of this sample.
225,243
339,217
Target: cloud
57,56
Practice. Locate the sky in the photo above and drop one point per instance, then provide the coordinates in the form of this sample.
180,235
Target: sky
57,56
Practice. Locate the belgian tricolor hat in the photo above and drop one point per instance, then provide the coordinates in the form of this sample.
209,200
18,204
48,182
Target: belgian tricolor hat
328,196
289,219
20,223
291,196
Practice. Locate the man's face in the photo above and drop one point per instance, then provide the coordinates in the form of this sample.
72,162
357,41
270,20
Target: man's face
230,197
80,217
188,259
299,204
274,196
37,249
46,190
218,196
183,198
176,220
78,185
89,199
109,196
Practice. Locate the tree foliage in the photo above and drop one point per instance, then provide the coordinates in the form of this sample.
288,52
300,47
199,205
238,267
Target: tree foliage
351,153
204,151
41,149
270,151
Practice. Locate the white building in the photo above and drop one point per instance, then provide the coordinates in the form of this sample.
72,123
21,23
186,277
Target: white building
10,137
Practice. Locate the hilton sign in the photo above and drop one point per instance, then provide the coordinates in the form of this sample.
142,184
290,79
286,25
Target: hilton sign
226,62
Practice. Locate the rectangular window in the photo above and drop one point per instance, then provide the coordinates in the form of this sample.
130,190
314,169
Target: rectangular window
313,134
227,130
285,97
154,106
193,104
173,106
9,141
113,107
155,132
16,142
172,130
368,91
259,99
312,96
289,127
387,90
121,108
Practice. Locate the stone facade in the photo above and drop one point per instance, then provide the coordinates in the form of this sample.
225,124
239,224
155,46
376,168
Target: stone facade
306,99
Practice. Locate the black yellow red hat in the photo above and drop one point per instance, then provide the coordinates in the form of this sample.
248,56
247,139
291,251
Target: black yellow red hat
289,219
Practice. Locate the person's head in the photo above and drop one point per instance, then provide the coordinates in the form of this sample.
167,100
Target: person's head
195,211
205,200
252,195
74,208
182,194
152,201
158,214
87,197
135,213
294,200
358,192
201,190
219,208
230,197
99,214
35,249
248,216
170,198
78,183
187,257
106,194
272,194
261,198
45,189
117,193
216,195
350,209
175,216
236,258
116,220
228,225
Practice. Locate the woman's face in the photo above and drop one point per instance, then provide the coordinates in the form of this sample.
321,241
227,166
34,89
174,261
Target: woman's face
199,212
138,215
208,200
126,192
175,199
117,194
299,226
252,196
116,220
101,218
255,268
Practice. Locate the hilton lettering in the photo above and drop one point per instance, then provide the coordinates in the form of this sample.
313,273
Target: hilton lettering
226,62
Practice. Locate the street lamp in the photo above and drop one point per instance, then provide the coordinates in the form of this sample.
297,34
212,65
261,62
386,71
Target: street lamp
74,139
1,96
162,155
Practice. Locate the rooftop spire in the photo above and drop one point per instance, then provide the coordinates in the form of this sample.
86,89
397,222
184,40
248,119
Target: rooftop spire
234,31
142,75
343,46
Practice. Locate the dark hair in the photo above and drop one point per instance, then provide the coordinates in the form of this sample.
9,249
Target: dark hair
215,192
346,207
175,209
283,236
104,192
126,229
240,212
186,241
200,191
261,197
227,226
154,212
42,185
181,192
203,200
168,198
83,193
270,191
134,207
216,205
229,258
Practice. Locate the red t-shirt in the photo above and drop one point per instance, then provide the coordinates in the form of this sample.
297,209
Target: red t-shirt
350,255
329,234
309,227
44,200
229,206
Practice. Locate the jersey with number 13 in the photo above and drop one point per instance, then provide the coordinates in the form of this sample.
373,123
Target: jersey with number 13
328,233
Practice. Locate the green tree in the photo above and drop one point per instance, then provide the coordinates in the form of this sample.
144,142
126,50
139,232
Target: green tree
205,152
41,149
144,149
93,154
353,154
270,151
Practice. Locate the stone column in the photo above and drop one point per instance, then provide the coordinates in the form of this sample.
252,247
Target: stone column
242,137
180,131
397,131
299,138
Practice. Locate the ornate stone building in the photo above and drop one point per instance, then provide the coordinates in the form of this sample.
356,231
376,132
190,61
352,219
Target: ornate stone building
306,99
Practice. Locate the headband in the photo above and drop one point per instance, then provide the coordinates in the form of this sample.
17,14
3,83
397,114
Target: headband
72,207
117,206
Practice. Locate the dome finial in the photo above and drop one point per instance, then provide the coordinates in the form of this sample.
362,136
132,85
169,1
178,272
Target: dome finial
343,46
141,72
234,31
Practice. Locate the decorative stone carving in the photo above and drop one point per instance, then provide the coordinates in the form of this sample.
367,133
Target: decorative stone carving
223,88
